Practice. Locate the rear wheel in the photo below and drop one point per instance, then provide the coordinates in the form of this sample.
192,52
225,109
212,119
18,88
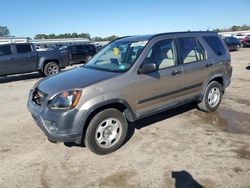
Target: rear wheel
212,97
106,131
51,68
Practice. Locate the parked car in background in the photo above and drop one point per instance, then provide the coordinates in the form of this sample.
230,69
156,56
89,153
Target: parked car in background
240,36
93,103
98,47
246,41
23,58
80,53
232,43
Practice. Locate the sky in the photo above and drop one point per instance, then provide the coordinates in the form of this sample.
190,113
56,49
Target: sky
26,18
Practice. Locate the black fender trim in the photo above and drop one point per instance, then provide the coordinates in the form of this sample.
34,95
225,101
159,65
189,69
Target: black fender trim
129,113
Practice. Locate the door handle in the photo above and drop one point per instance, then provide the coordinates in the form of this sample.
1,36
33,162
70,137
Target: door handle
11,58
176,72
209,64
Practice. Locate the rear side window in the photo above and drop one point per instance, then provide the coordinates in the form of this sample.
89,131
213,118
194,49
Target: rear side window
192,50
5,50
23,48
215,44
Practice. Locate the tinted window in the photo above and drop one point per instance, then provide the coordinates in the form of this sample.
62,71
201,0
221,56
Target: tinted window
5,50
162,53
215,44
192,50
87,47
23,48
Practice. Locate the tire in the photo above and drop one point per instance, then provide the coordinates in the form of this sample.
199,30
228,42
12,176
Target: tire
51,68
212,97
106,132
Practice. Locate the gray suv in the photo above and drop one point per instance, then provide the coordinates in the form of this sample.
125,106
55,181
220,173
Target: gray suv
131,78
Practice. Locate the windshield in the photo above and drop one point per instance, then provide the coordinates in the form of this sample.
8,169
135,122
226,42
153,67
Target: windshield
117,56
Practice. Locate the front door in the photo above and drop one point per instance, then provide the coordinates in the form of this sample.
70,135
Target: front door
160,89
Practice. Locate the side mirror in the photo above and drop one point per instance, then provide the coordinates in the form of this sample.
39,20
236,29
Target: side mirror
147,68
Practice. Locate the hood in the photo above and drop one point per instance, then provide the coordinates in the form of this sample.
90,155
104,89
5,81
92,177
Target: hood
72,79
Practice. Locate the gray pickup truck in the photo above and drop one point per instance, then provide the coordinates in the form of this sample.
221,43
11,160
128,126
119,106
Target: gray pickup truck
23,58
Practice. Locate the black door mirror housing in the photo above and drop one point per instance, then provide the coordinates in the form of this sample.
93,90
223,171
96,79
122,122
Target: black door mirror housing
147,68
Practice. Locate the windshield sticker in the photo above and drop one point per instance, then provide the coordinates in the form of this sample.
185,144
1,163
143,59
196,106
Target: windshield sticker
139,43
116,51
123,67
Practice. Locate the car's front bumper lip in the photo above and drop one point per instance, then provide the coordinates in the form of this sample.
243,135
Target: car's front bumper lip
66,131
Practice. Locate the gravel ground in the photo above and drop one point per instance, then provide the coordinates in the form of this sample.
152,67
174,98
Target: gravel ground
177,148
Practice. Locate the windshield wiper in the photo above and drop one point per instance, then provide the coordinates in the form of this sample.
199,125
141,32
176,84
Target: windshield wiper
101,69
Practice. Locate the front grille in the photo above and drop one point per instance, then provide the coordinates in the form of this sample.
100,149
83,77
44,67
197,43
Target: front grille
38,97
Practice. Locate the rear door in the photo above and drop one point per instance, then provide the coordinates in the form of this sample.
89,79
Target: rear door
196,64
6,57
221,56
77,53
25,59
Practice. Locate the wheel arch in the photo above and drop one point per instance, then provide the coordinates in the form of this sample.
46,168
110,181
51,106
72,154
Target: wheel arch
118,104
218,78
43,62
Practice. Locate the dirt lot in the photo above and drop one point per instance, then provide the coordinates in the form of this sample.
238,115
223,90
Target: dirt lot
177,148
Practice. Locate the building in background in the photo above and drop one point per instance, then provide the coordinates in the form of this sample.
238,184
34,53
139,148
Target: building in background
44,43
8,40
55,43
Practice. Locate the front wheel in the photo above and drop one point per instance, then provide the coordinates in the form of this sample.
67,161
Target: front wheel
212,97
51,68
106,132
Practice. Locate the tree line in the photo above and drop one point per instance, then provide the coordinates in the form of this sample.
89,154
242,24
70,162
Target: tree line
5,32
233,28
75,35
65,35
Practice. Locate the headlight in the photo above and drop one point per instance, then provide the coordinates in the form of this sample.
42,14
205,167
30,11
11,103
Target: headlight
66,100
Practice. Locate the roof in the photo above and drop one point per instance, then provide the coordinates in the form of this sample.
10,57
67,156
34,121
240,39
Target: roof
148,37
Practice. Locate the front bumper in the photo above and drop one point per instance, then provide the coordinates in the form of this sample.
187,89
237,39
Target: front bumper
58,125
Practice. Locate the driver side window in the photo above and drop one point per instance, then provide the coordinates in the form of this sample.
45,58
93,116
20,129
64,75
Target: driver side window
162,54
